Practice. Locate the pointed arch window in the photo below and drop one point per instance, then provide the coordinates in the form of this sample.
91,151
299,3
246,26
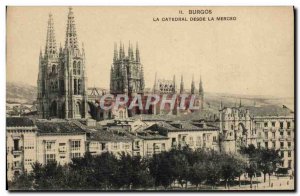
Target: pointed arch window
74,67
78,68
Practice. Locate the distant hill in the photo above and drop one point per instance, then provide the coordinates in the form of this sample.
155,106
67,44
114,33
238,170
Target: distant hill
26,94
20,93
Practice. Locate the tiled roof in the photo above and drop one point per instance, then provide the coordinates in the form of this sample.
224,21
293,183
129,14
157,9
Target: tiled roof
149,135
58,127
269,110
19,122
109,136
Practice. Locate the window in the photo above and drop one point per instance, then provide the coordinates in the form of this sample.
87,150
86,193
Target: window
74,68
75,145
288,125
289,133
258,144
50,158
75,155
103,146
62,147
274,144
163,147
281,145
137,144
265,124
281,133
273,135
53,69
281,125
289,144
214,138
78,68
16,145
266,144
115,146
231,127
273,124
50,145
289,153
289,163
198,141
266,135
173,142
191,141
127,146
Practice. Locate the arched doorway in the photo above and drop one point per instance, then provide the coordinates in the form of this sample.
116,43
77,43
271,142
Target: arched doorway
53,109
78,109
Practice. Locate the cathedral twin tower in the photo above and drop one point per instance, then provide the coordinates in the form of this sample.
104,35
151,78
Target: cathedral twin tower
62,90
62,75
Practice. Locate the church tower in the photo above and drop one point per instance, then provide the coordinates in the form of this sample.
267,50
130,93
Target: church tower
62,76
201,93
127,72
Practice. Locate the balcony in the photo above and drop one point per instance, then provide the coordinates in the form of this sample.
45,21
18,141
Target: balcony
136,148
273,129
17,151
289,138
266,129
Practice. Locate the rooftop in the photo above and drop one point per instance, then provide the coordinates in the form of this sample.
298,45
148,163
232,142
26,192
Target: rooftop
58,126
105,136
269,110
19,122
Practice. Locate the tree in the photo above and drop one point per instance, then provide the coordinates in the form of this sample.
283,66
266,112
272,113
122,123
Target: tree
198,174
23,181
267,161
251,169
161,170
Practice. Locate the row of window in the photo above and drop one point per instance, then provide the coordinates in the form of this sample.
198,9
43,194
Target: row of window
52,157
273,124
75,146
273,144
274,134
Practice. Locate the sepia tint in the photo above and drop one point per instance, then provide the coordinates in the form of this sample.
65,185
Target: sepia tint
150,98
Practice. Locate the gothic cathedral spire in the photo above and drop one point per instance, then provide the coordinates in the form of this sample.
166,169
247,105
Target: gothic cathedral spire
137,53
50,48
71,35
193,86
201,92
181,85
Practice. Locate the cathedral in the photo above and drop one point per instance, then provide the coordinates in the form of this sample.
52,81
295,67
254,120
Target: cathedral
62,90
62,75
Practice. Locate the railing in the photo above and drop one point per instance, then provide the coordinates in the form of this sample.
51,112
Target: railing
17,151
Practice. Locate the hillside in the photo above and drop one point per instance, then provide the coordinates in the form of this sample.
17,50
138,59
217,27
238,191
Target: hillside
26,94
20,93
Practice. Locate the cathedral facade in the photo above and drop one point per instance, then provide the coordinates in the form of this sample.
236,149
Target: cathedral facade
62,75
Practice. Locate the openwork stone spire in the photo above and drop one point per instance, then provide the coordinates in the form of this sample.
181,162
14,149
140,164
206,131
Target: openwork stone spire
181,85
50,48
71,36
193,86
201,91
137,53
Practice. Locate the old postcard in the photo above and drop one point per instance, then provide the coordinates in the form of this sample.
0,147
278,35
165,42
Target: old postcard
150,98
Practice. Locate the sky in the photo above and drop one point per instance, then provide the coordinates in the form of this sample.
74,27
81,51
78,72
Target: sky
252,55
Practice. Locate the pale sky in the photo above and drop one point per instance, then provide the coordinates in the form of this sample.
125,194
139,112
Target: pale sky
252,55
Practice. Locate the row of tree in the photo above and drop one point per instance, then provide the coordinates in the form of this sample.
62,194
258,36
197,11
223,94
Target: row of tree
125,172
